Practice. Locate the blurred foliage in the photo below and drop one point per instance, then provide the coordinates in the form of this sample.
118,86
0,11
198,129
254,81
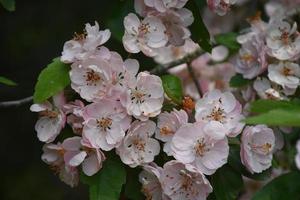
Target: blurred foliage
9,5
7,81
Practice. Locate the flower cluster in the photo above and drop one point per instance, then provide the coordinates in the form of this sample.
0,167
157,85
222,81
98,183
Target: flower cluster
274,48
164,23
113,93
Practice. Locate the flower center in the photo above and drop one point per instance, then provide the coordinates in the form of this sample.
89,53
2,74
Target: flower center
285,37
287,71
144,28
225,6
139,144
217,114
138,96
79,36
265,148
201,147
165,131
104,123
247,57
92,77
49,113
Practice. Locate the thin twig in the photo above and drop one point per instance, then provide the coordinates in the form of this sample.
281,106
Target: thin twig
160,69
19,102
193,75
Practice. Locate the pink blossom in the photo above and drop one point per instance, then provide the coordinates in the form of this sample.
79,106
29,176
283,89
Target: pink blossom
167,125
204,147
52,119
257,147
75,154
221,110
143,35
138,147
91,78
54,156
182,182
164,5
105,124
221,7
74,112
149,178
84,44
145,97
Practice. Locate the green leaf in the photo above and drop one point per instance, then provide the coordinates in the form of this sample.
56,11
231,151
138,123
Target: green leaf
286,186
238,81
173,88
277,117
107,183
7,81
262,105
198,29
228,40
133,187
235,162
227,183
53,79
9,5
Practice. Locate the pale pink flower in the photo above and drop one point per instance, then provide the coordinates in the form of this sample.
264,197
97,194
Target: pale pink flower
182,182
91,78
138,147
54,156
265,90
204,147
145,97
297,158
252,58
164,5
75,154
144,35
74,112
286,74
283,40
222,110
167,125
257,145
105,124
149,178
221,7
84,44
52,118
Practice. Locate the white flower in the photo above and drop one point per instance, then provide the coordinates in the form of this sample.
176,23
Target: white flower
201,146
143,35
167,125
285,74
83,45
222,110
183,182
138,147
145,97
283,40
264,89
221,7
257,147
164,5
105,124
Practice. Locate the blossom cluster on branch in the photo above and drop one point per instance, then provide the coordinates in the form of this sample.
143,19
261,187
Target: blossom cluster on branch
115,107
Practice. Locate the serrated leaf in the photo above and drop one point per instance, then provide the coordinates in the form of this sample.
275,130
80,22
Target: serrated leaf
53,79
286,186
238,81
198,29
264,105
277,117
228,40
7,81
227,183
9,5
107,183
173,88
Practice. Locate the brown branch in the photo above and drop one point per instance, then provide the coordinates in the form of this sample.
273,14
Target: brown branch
195,80
19,102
